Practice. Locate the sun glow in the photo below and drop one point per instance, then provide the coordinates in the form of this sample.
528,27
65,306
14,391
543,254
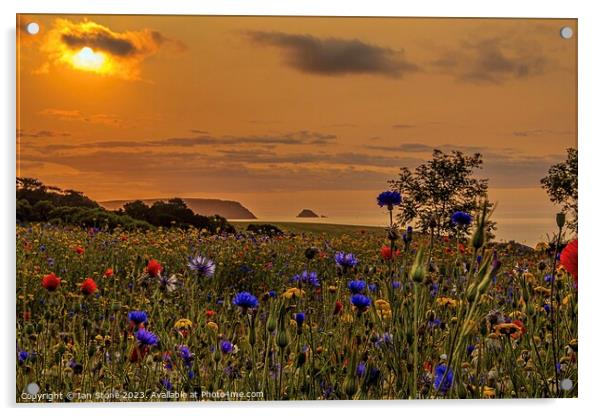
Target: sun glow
89,60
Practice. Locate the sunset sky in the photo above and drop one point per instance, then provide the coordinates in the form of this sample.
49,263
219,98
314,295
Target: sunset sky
286,113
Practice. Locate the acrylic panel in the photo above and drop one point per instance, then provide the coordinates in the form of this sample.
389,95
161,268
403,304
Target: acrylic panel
215,208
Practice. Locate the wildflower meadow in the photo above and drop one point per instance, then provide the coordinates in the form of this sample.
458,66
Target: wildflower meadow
171,314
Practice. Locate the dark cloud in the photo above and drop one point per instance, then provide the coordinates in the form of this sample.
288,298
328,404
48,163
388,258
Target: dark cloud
41,133
334,56
181,172
404,147
303,137
100,39
538,132
294,138
491,61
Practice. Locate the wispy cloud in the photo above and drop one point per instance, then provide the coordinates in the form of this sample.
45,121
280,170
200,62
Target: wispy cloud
76,115
491,61
41,133
335,56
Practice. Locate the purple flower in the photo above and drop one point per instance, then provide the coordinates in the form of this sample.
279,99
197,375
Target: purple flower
245,300
356,286
185,354
146,338
138,317
306,277
361,369
202,265
361,302
388,199
345,260
226,346
441,384
461,218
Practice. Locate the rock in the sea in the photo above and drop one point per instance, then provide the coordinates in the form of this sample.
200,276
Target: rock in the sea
307,213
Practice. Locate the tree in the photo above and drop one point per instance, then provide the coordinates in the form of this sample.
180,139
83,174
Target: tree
438,188
561,184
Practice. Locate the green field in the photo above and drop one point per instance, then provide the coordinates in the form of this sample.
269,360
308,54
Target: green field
314,228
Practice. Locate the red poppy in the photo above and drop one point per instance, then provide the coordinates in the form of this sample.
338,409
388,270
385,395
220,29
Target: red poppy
50,282
387,254
89,286
461,248
79,250
522,329
109,272
209,313
338,307
428,366
568,259
154,267
26,315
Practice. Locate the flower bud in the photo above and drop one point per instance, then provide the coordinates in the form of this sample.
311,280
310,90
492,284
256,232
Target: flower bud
282,339
272,323
560,219
350,386
418,271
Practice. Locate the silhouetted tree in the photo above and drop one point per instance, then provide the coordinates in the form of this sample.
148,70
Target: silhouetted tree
561,184
438,188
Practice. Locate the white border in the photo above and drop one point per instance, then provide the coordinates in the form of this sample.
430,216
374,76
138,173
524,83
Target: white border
590,150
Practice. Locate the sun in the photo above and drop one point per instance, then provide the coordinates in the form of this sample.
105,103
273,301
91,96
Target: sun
88,60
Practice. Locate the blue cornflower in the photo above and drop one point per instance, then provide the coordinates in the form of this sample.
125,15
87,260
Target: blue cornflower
388,199
547,308
166,384
226,346
300,318
272,293
146,338
383,340
137,317
356,286
245,300
345,260
306,277
372,287
186,355
23,356
469,349
361,369
396,284
202,265
461,218
361,302
443,385
548,278
407,236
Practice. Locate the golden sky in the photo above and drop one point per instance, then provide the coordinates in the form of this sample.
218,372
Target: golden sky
285,113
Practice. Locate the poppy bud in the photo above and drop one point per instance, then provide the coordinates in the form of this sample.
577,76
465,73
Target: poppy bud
560,219
311,252
282,339
272,323
338,307
418,271
350,386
